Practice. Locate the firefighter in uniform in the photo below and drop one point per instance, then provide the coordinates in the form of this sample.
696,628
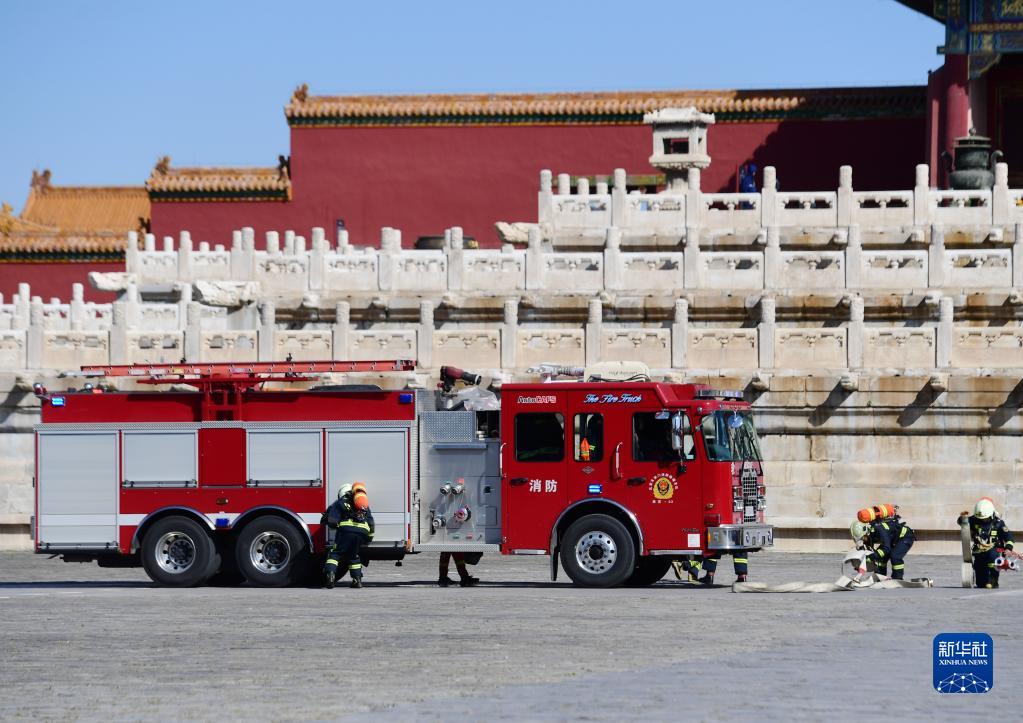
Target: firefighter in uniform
887,538
740,563
350,516
989,534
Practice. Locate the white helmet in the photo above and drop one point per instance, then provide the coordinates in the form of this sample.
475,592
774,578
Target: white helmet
984,508
345,490
858,529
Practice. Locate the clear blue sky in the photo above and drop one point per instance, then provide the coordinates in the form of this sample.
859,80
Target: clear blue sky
97,91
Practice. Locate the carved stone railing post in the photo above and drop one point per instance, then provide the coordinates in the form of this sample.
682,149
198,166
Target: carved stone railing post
857,332
185,256
509,334
1017,256
342,332
680,334
273,243
936,277
946,308
36,325
618,193
773,264
131,253
119,333
455,249
267,326
594,329
534,260
425,335
564,184
613,261
844,208
854,258
243,254
769,198
184,299
193,332
765,331
1000,196
692,260
545,200
76,311
694,198
318,249
390,247
21,303
921,196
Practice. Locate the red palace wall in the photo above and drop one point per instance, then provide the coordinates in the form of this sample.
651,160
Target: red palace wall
54,280
425,179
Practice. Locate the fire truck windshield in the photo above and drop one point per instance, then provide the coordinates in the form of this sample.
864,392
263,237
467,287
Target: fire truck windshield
730,436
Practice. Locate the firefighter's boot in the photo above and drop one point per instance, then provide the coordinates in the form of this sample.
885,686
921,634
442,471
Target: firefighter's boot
468,580
707,579
330,577
741,577
445,581
356,582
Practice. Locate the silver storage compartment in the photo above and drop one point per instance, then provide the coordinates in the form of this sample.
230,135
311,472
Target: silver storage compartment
78,485
379,458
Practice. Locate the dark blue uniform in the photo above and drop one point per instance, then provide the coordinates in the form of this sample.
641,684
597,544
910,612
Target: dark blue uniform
354,528
740,563
989,535
889,540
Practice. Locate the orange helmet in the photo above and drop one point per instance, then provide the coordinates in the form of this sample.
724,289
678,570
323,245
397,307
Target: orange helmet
360,498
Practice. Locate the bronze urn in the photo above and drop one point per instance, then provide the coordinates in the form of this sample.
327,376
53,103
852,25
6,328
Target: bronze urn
973,166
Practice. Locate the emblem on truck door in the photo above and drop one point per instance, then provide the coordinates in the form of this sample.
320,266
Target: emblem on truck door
663,487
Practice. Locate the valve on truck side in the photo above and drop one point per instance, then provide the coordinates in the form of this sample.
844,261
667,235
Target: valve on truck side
436,521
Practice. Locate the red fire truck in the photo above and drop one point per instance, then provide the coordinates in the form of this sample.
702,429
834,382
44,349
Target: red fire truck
224,476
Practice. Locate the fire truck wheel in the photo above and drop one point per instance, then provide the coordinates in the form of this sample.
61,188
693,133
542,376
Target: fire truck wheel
270,552
178,552
597,551
648,571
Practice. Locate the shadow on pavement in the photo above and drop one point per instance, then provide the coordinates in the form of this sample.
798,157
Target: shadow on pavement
73,584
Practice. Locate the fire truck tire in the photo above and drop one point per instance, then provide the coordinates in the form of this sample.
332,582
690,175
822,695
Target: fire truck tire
648,571
178,552
597,551
270,552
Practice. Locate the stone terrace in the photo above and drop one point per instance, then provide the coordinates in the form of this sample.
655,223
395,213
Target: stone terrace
878,333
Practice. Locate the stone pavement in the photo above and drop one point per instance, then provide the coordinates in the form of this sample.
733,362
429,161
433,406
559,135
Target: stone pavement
83,642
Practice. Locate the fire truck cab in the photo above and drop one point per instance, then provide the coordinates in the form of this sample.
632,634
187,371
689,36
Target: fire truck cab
619,479
613,479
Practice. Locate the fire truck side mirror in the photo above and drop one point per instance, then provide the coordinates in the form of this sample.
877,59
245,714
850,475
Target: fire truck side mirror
676,432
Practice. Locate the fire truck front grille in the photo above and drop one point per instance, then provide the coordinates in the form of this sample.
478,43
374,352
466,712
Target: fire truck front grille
748,477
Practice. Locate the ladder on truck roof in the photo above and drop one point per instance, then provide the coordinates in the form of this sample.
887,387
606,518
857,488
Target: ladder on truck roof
223,384
289,369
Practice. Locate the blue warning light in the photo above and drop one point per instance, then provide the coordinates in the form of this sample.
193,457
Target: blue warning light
57,401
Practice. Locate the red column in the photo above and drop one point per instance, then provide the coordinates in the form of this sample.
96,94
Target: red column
956,103
935,91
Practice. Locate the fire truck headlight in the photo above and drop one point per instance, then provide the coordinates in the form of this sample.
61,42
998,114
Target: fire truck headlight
737,504
761,504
